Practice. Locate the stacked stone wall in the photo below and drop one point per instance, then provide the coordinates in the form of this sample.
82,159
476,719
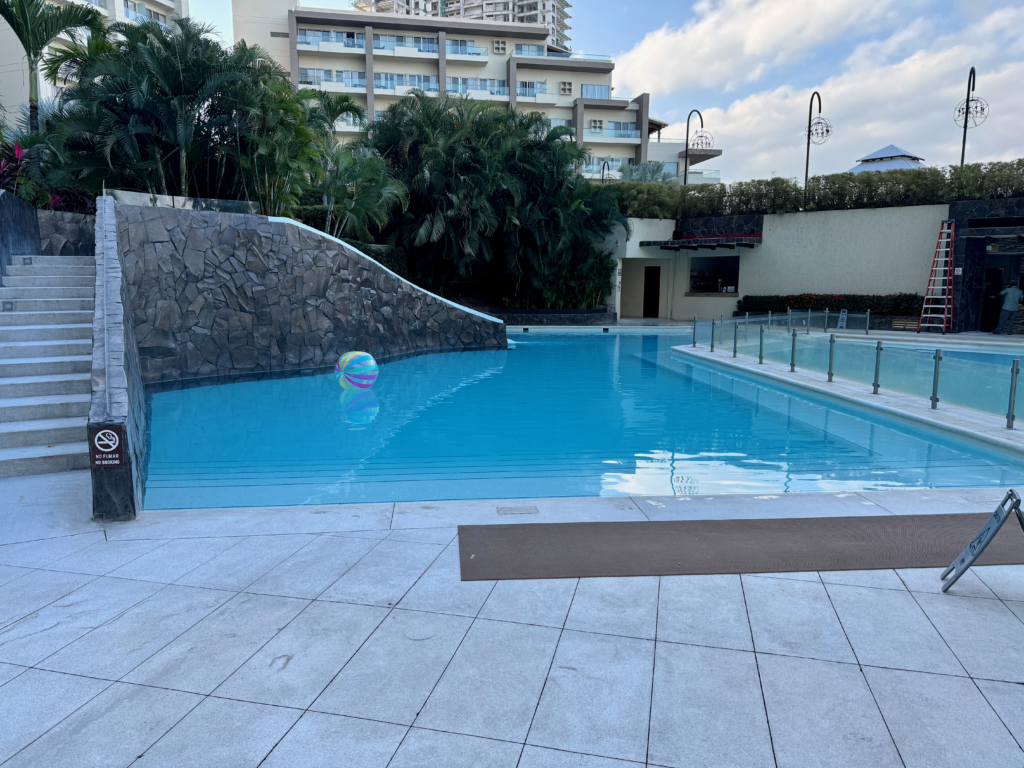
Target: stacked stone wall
66,234
221,294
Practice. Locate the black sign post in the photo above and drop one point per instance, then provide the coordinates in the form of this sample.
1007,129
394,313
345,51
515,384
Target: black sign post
106,446
1009,505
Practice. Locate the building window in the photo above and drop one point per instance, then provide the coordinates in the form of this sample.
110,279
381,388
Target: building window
279,34
672,169
595,91
529,50
714,274
565,88
500,45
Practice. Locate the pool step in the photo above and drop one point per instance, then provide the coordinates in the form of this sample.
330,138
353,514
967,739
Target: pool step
43,432
47,384
45,348
55,332
43,459
73,317
46,317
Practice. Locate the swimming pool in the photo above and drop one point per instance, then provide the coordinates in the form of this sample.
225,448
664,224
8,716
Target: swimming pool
562,414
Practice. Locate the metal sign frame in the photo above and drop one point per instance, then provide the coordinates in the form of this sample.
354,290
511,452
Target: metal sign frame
1009,504
841,326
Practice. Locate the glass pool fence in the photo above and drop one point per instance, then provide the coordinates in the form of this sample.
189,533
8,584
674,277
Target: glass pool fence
804,341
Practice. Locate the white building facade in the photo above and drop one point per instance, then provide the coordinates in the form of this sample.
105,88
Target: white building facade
379,57
14,66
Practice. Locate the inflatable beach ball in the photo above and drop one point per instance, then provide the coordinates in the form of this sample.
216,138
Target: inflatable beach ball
356,370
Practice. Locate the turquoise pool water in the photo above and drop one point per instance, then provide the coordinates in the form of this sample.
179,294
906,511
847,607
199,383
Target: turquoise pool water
572,414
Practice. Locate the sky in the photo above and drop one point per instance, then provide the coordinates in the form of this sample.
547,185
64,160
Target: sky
888,72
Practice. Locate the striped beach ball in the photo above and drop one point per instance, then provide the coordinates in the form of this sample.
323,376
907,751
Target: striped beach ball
356,370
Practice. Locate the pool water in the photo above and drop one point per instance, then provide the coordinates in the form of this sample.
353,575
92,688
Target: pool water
562,414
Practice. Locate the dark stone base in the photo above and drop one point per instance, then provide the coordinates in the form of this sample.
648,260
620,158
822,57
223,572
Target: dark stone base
113,493
527,317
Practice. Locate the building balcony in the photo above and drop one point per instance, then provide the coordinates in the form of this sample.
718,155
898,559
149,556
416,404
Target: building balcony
609,134
338,46
476,56
333,86
405,50
349,124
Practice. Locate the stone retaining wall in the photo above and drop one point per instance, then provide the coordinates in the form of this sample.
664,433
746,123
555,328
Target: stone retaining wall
221,294
66,234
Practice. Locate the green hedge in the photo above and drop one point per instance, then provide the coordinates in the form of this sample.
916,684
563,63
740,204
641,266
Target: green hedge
892,304
834,192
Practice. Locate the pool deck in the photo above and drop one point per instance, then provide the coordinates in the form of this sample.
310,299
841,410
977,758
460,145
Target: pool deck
343,636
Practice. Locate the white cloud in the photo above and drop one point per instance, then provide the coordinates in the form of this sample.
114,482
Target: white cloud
879,99
735,41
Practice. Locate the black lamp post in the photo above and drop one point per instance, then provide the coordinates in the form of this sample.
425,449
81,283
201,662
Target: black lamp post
686,163
818,131
971,112
604,165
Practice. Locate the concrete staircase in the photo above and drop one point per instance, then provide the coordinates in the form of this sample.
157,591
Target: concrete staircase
46,313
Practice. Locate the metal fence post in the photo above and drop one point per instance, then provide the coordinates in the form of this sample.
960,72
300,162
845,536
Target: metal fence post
769,319
1010,415
694,331
867,325
792,355
878,366
935,379
831,353
760,351
712,334
735,337
789,318
808,322
825,329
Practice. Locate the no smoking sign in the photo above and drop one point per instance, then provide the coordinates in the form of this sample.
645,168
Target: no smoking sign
106,446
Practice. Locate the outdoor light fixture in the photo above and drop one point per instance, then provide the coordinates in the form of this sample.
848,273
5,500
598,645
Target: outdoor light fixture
701,140
970,113
819,129
604,165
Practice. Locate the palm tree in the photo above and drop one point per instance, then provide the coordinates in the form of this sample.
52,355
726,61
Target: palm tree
358,191
37,23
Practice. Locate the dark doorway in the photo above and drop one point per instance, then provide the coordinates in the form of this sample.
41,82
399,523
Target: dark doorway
992,302
652,291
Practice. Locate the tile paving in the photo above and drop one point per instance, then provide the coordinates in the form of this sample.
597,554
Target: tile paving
217,638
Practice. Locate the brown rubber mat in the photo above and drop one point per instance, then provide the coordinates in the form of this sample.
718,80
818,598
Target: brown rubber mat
573,550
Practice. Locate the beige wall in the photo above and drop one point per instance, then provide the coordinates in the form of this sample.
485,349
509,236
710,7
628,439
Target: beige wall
632,301
872,251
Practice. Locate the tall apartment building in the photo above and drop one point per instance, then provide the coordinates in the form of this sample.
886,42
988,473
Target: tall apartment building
14,67
554,14
378,58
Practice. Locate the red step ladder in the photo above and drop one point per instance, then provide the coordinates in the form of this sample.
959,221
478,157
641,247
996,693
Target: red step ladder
937,311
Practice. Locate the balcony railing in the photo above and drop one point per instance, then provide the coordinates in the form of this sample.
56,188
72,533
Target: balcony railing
458,50
337,39
493,90
97,3
529,92
563,55
388,45
316,82
611,133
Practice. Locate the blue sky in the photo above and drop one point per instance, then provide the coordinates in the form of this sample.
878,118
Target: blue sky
889,72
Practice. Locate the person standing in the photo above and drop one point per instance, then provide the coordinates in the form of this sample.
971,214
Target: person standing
1008,314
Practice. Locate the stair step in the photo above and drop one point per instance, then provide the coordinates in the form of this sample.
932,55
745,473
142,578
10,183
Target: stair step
55,270
45,366
53,261
78,292
43,432
45,332
73,317
43,407
47,384
49,281
44,305
40,459
47,348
